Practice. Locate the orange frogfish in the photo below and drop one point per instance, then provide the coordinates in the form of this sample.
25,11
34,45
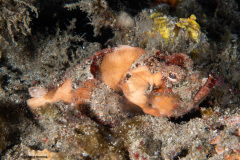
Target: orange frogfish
125,77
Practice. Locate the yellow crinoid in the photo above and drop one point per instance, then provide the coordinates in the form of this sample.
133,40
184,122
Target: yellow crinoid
169,27
191,26
162,25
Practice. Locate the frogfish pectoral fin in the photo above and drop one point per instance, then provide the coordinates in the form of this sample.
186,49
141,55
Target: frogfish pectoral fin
82,94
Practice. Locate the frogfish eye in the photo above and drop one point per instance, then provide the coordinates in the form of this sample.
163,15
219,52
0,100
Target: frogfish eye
172,76
175,74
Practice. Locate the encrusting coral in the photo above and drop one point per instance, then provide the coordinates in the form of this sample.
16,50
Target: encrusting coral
160,84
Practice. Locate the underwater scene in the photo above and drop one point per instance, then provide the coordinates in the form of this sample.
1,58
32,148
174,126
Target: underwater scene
120,79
